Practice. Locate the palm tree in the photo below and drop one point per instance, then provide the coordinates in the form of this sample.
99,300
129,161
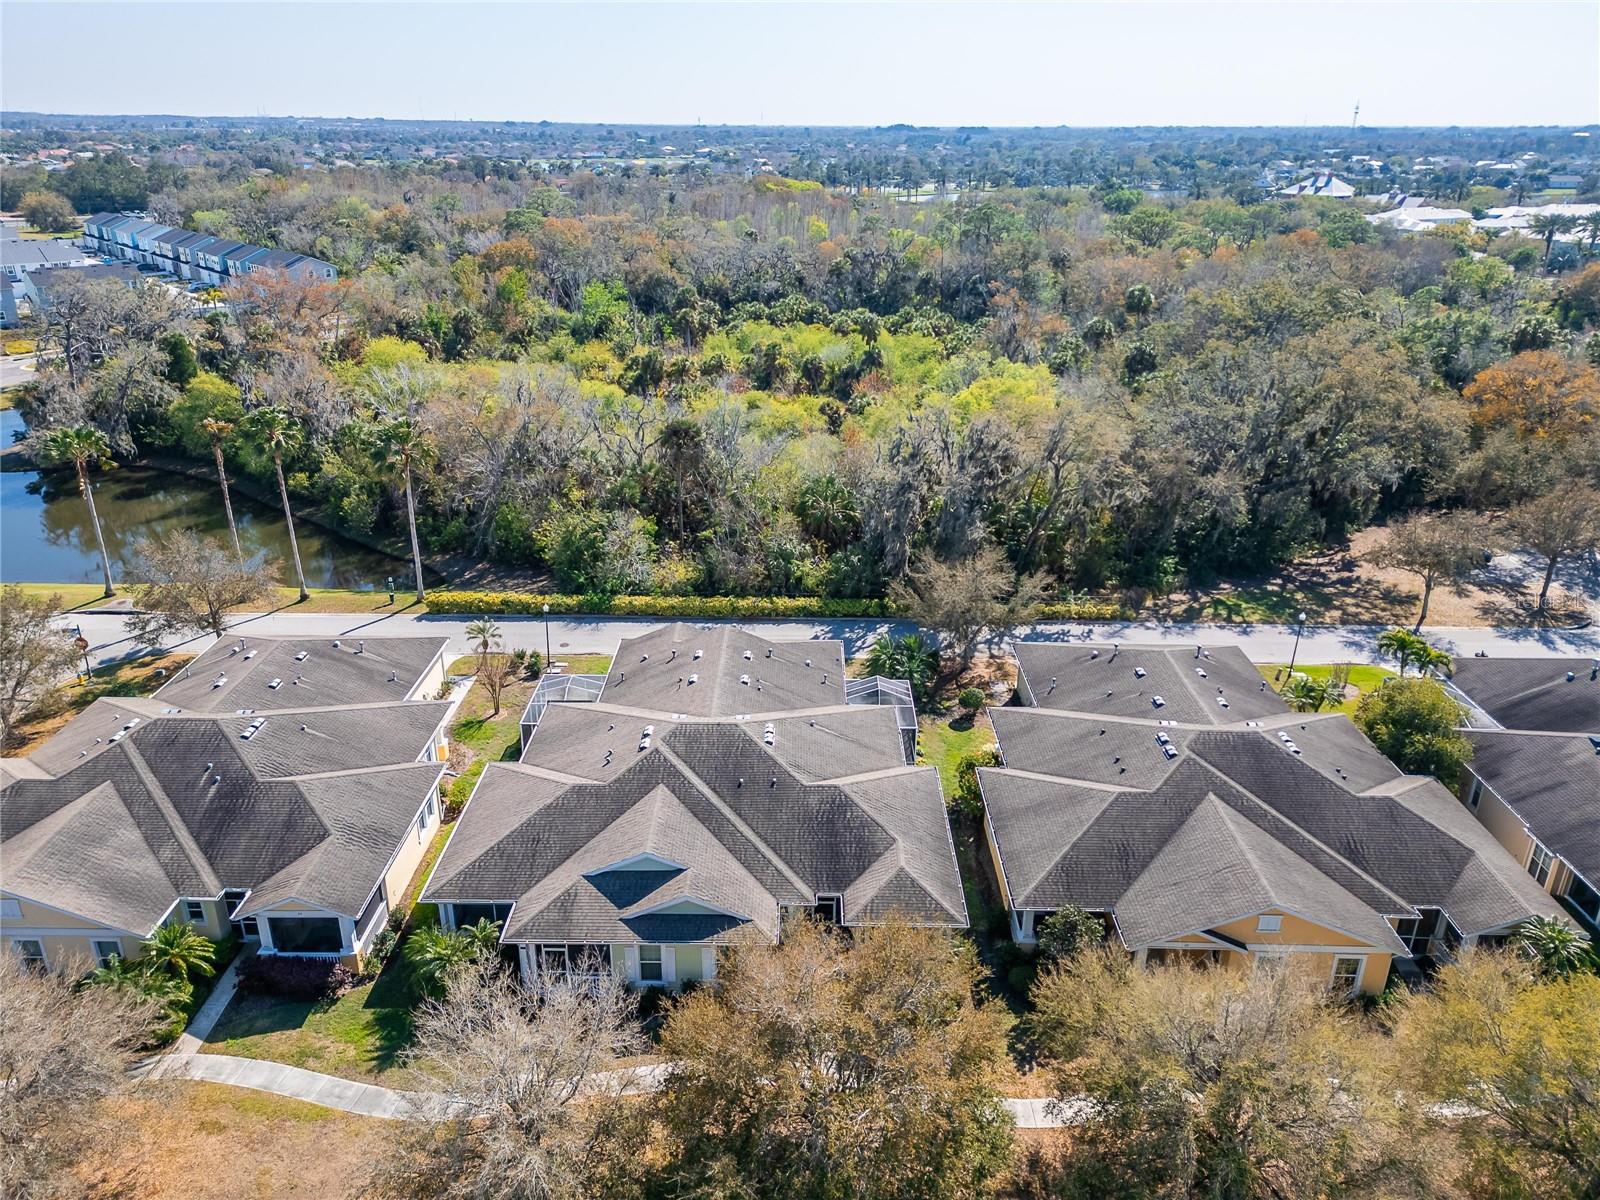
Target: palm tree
397,446
1432,659
1590,225
82,446
136,977
1402,645
181,951
277,434
1305,694
1560,949
1547,225
218,431
484,936
485,633
912,658
435,953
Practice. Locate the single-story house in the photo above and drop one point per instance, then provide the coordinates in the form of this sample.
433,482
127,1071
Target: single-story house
1534,776
293,821
720,782
18,257
1218,825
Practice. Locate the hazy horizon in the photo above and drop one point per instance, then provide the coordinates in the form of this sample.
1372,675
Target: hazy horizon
1040,65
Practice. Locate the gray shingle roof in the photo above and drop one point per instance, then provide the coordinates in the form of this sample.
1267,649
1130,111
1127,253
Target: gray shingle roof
1552,782
334,671
654,671
829,808
1319,823
1126,681
181,805
1534,693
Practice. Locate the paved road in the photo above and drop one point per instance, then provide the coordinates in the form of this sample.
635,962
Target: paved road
16,369
582,635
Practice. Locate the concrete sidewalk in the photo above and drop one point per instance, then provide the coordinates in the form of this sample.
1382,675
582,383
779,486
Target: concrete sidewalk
370,1100
204,1021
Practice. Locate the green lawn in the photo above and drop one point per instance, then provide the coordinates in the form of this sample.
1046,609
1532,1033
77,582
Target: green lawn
1364,678
323,600
941,741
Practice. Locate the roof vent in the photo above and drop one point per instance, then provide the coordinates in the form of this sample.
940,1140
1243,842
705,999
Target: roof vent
694,678
1222,700
1139,672
251,729
1163,738
249,654
275,684
649,729
219,681
1198,650
769,735
744,679
335,643
1263,686
1201,671
1157,702
1170,751
769,651
1094,654
673,656
644,658
302,656
394,677
216,779
773,782
302,727
1571,676
748,656
808,662
741,782
698,653
361,647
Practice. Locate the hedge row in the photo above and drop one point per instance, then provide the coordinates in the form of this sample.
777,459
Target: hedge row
726,607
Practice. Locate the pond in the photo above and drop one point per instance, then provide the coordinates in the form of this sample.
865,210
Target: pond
45,535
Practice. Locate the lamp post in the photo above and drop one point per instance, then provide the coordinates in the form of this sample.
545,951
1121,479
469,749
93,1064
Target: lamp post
1298,630
546,640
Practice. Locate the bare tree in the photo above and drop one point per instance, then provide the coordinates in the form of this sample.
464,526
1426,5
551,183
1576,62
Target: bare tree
495,670
1558,525
62,1050
34,655
529,1105
185,584
962,598
1444,548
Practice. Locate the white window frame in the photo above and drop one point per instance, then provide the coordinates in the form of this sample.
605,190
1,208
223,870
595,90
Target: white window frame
1475,793
42,959
1541,863
189,913
100,957
659,963
1361,969
1269,923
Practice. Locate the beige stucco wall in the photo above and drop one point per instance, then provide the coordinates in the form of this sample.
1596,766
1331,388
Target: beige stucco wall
412,850
1296,931
1499,820
994,859
690,962
68,938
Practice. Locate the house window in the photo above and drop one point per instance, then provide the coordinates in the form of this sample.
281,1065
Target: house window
828,909
1347,975
1270,923
104,952
1584,897
194,910
1539,863
30,951
1475,793
471,914
306,935
649,964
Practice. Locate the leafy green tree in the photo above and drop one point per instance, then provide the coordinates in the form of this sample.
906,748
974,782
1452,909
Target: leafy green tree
1406,648
1446,549
967,798
1416,725
49,212
1068,932
276,434
435,954
1305,694
971,699
182,366
828,511
824,1067
1522,1053
35,652
84,447
484,633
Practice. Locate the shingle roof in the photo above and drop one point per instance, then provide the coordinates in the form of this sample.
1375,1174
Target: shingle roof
132,807
1533,693
1552,782
333,671
734,825
1290,811
723,671
1187,684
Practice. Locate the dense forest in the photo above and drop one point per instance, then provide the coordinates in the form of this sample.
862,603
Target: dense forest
710,384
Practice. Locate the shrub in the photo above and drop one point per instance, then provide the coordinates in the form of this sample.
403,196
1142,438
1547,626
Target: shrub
970,699
295,978
968,799
1020,977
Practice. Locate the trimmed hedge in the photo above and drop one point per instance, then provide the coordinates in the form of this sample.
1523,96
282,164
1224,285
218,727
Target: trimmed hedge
744,607
295,978
783,608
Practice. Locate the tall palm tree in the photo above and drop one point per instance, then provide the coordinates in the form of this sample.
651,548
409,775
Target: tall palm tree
218,431
180,950
485,633
398,445
1402,645
83,446
1546,226
274,430
1590,225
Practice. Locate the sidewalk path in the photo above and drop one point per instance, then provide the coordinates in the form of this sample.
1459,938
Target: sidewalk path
370,1100
204,1021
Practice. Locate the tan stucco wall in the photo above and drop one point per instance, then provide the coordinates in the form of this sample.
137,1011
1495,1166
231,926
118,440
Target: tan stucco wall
37,916
412,850
215,926
1296,931
690,963
1508,830
994,859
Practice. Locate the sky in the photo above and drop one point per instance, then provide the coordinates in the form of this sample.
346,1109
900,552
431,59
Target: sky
1088,64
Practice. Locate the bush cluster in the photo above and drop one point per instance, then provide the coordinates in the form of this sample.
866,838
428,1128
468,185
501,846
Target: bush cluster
295,978
722,607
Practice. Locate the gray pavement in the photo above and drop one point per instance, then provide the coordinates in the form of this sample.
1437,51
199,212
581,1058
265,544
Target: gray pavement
16,369
109,640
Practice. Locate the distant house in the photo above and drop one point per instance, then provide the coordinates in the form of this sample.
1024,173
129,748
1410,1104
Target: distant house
715,783
1534,777
8,304
1171,792
36,287
283,790
1320,184
18,257
189,255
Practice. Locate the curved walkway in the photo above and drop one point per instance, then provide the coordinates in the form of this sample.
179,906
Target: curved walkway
371,1100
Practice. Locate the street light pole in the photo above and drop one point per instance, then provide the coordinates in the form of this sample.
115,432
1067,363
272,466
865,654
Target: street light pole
546,639
1298,630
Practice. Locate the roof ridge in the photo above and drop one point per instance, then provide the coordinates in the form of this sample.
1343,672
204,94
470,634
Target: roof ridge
1068,781
380,768
738,822
169,813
